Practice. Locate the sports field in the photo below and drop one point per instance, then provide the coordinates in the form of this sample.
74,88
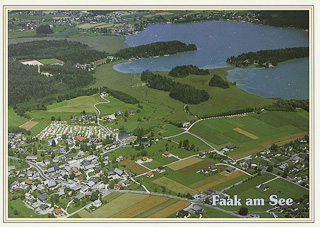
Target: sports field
254,132
134,166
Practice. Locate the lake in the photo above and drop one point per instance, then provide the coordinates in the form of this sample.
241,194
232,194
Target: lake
218,40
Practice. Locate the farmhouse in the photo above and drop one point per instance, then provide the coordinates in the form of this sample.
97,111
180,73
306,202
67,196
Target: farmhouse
231,147
150,174
58,211
230,169
166,154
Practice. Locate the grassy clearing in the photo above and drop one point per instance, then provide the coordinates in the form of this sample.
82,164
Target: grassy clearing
115,206
170,130
220,131
174,186
134,166
192,140
112,196
76,105
252,183
213,213
140,207
170,210
50,61
184,163
287,188
23,211
14,119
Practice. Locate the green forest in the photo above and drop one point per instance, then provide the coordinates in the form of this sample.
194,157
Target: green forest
155,49
182,92
285,18
185,70
217,81
67,51
262,58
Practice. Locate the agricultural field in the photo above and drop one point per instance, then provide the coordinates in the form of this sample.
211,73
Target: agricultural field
184,163
134,166
29,125
274,127
192,140
174,186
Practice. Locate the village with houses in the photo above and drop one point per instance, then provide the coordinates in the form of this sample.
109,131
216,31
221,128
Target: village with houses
105,144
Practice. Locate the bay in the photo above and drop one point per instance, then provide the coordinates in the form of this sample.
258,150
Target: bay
218,40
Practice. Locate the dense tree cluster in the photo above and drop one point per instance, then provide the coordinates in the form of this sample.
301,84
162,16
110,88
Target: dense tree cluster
185,70
26,84
182,92
265,57
67,51
217,81
124,97
155,49
288,105
43,30
285,18
232,112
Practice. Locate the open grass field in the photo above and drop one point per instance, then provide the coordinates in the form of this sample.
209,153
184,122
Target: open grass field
219,181
174,208
88,25
29,125
184,163
192,140
140,207
195,167
213,213
76,105
134,166
252,183
170,130
112,196
50,61
279,187
236,98
246,133
288,188
23,211
261,130
174,186
115,206
14,119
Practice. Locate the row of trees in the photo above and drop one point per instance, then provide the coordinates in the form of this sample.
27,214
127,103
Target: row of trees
217,81
264,57
155,49
182,92
185,70
288,105
67,51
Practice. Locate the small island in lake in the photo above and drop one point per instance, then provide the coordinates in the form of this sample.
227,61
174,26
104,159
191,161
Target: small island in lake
268,58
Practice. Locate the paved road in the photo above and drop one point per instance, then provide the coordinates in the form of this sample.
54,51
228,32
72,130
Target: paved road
35,166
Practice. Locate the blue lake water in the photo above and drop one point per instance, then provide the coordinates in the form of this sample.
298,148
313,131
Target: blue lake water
218,40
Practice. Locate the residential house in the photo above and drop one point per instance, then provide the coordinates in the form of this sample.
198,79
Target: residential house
150,174
166,154
118,171
44,207
161,169
58,211
230,169
197,208
183,214
42,198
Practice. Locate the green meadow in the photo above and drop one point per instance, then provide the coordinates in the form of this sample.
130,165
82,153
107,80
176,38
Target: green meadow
266,126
